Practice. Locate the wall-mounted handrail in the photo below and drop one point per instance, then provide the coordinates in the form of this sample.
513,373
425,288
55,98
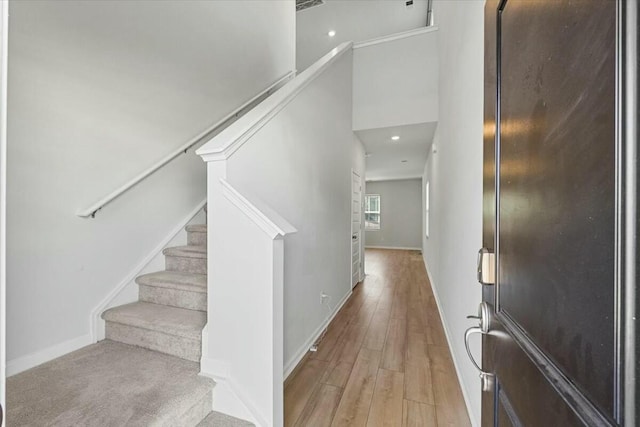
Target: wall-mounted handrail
395,36
90,212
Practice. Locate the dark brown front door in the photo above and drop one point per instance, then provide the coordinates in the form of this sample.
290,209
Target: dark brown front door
559,180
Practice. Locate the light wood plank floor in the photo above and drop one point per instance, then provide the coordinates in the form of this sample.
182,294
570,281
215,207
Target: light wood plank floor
384,360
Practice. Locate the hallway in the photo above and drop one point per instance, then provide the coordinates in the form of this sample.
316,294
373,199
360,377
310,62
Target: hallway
384,359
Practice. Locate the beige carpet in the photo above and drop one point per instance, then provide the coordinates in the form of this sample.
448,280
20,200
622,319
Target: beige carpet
109,384
216,419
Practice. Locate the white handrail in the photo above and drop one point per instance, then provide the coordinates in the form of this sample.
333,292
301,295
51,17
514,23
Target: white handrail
262,215
396,36
203,136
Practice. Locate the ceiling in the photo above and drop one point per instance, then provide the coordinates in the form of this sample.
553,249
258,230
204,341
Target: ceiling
352,20
360,20
385,156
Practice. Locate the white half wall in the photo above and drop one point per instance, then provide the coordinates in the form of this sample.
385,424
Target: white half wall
400,214
98,92
395,80
243,339
299,164
454,173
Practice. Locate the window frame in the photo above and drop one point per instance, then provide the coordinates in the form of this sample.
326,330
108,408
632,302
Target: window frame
426,209
378,212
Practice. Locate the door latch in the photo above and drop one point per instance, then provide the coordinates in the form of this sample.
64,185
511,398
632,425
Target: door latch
486,267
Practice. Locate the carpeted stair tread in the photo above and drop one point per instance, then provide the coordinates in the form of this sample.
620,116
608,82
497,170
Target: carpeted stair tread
175,280
196,234
162,318
217,419
197,228
188,251
109,383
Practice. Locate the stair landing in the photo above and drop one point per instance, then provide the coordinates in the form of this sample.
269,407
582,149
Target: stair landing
110,383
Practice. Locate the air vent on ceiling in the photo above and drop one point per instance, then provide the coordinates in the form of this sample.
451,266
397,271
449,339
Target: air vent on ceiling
306,4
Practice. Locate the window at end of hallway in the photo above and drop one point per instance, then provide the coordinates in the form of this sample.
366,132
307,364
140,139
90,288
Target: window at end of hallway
426,209
372,212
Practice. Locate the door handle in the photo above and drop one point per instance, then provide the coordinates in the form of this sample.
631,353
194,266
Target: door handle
470,331
483,329
487,378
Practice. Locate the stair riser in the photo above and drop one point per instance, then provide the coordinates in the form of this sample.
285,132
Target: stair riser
174,297
187,265
196,413
185,348
196,238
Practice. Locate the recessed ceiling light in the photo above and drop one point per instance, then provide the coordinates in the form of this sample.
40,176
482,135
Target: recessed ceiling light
395,137
331,33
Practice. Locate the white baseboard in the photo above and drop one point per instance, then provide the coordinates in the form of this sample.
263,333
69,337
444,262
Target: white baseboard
302,351
29,361
214,368
228,396
229,400
465,395
402,248
95,321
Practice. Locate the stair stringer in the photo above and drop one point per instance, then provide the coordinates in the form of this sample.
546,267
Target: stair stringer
127,290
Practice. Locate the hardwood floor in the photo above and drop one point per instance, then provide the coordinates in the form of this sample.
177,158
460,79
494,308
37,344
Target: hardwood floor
384,360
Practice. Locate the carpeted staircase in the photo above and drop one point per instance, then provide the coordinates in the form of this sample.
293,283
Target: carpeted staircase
171,310
145,373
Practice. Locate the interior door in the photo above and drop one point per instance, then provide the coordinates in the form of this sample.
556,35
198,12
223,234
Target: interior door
356,227
559,216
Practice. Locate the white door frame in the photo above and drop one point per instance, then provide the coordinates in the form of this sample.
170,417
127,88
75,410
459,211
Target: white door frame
4,22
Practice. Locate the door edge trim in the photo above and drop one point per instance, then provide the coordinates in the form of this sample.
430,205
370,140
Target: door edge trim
627,140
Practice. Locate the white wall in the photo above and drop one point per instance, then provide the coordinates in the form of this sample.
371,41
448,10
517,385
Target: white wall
301,167
3,199
395,82
400,214
455,176
352,20
98,92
